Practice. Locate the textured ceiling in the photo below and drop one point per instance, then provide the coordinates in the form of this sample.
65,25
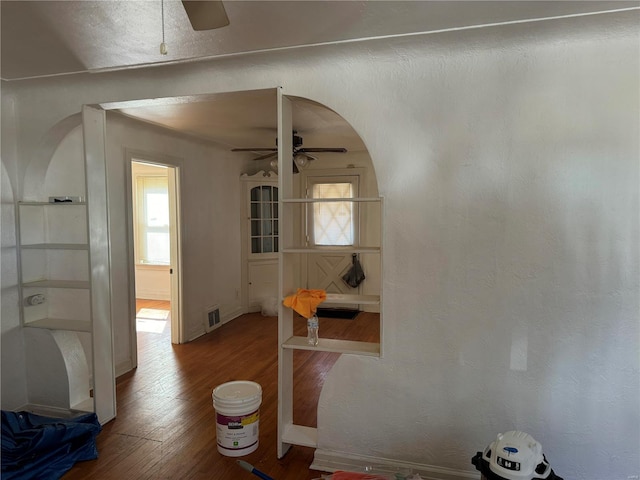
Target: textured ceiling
45,38
56,37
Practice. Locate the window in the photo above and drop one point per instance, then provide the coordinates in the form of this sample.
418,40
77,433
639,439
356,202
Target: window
152,219
333,223
264,219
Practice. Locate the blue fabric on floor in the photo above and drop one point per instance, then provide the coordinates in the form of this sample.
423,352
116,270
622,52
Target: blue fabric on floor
45,448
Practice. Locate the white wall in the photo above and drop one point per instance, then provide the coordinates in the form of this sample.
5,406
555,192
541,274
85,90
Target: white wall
153,282
210,190
508,158
511,266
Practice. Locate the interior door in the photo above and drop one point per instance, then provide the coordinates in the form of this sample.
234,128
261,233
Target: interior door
263,283
177,330
260,240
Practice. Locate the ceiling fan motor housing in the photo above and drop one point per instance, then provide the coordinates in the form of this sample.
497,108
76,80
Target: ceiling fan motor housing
297,140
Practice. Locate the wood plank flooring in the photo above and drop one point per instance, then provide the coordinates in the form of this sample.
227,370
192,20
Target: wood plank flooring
165,425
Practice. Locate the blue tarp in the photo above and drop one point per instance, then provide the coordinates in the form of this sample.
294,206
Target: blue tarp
45,448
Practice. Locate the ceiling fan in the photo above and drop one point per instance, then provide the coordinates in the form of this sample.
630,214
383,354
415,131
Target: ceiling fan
205,15
301,155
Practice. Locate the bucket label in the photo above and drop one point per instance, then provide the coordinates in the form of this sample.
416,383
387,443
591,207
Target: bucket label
239,432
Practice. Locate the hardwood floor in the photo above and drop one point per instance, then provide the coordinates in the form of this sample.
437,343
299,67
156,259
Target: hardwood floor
165,425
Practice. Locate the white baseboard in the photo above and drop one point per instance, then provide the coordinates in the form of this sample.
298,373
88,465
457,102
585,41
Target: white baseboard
227,317
123,367
233,314
330,461
153,295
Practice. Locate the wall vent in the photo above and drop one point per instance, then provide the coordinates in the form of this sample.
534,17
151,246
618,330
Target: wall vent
212,318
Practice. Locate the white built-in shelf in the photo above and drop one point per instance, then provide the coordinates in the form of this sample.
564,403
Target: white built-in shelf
78,284
342,298
332,200
334,345
55,246
52,204
300,435
347,249
61,324
84,406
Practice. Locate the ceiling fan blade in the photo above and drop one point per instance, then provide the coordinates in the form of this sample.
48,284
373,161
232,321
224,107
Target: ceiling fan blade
268,155
254,149
334,150
206,15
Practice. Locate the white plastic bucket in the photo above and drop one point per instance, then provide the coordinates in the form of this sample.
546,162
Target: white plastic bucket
237,407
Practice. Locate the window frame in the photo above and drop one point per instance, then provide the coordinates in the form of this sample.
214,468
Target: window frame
354,177
138,217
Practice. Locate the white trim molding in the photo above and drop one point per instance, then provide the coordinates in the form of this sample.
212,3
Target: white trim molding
330,461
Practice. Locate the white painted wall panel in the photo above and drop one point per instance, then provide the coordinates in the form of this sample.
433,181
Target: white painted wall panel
508,158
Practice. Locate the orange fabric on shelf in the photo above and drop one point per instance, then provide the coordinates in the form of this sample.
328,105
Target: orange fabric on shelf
305,301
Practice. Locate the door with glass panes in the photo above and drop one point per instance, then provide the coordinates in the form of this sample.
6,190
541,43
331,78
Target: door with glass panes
262,245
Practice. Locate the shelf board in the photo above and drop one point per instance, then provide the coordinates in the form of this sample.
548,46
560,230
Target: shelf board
326,250
349,299
300,435
61,324
333,200
56,204
55,246
77,284
333,298
334,345
342,298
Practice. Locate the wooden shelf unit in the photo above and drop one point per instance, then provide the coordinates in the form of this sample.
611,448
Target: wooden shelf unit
293,249
63,254
54,256
334,345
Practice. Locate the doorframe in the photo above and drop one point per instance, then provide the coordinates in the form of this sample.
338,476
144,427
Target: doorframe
94,133
174,164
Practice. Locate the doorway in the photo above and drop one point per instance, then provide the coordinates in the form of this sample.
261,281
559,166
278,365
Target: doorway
155,223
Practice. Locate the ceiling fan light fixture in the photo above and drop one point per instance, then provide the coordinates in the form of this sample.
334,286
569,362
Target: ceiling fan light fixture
301,160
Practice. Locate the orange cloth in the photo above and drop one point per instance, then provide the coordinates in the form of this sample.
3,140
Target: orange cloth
305,302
